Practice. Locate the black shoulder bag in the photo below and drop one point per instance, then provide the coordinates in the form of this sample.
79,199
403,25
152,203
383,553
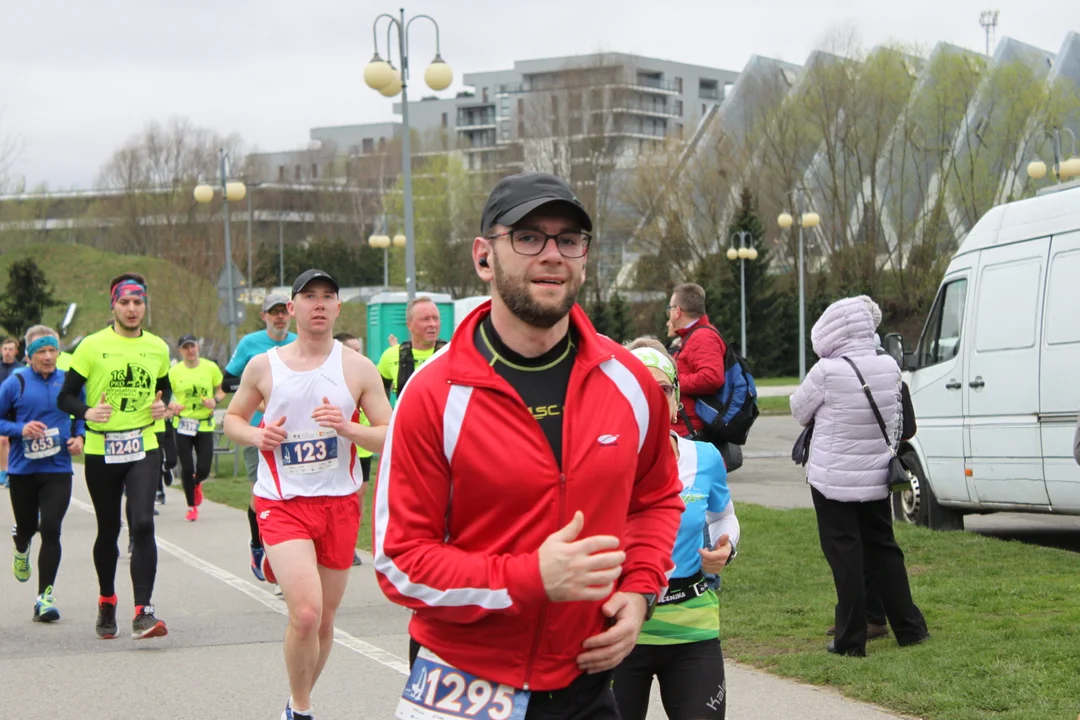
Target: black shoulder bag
899,476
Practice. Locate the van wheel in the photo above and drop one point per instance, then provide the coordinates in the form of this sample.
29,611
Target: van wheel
919,505
909,506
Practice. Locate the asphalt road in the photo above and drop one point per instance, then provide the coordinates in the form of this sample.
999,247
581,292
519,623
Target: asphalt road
222,657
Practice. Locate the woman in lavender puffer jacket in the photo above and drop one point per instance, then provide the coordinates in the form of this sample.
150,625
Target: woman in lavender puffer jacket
847,472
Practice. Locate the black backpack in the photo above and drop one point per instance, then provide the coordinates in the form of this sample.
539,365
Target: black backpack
407,363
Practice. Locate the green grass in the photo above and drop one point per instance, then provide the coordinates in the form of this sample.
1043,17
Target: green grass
1004,619
774,405
776,382
236,492
180,302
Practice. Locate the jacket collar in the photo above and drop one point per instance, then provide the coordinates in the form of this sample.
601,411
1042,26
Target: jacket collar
468,366
702,321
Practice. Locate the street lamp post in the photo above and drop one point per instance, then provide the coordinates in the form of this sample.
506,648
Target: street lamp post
384,241
1062,169
809,220
742,254
250,278
382,76
229,191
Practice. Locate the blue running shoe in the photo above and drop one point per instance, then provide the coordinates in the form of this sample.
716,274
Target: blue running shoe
290,715
45,608
257,555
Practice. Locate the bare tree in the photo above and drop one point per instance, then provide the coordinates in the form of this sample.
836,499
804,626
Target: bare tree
156,172
447,203
579,123
11,147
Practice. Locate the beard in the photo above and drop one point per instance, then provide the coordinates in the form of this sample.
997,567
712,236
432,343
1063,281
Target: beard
515,293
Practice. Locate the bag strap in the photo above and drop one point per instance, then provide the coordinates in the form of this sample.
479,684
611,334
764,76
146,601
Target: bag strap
685,416
873,405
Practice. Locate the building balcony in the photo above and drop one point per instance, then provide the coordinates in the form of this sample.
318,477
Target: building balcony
648,109
479,121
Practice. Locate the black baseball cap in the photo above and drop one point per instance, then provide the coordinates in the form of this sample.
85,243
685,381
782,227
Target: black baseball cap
308,276
516,196
186,340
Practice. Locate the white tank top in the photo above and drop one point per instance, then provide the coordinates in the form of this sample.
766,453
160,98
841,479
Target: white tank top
312,461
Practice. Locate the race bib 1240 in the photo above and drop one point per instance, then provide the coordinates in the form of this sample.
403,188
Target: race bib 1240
124,447
437,690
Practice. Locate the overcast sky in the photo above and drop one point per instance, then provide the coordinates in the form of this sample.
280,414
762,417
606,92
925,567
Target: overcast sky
77,79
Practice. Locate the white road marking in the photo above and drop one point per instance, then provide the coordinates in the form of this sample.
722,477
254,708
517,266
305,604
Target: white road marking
269,600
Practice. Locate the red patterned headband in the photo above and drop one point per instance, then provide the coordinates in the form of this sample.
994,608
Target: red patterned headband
128,287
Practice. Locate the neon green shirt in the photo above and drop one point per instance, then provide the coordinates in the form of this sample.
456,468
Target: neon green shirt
361,452
388,363
191,386
63,361
127,371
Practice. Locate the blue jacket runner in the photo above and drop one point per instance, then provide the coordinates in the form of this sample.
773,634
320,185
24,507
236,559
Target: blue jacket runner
28,396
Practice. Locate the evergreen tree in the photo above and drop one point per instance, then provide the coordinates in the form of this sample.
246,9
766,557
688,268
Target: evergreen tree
619,322
26,298
771,325
598,314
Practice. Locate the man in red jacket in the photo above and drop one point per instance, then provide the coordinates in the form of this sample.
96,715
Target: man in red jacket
700,355
528,499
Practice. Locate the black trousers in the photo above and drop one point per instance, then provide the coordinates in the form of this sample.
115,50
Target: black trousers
47,495
691,677
588,697
196,454
857,538
167,444
107,485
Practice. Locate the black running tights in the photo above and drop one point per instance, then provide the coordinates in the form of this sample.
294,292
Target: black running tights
49,495
106,484
691,677
196,456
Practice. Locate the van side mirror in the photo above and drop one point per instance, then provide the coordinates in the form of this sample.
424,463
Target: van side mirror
893,344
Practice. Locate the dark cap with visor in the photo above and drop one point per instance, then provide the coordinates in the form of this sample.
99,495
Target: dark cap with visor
309,276
186,340
516,196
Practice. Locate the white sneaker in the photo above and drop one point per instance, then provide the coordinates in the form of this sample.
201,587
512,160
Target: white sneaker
277,590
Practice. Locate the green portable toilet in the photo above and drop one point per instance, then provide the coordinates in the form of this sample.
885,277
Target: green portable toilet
386,316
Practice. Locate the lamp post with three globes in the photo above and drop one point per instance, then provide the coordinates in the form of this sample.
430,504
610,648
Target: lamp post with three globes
381,75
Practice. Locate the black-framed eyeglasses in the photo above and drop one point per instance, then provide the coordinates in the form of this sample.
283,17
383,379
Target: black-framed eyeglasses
533,242
669,308
669,390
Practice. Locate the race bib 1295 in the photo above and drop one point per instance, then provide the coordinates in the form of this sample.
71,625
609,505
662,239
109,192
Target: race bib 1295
437,690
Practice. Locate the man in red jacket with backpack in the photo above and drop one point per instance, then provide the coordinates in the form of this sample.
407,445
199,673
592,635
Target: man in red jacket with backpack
700,356
528,498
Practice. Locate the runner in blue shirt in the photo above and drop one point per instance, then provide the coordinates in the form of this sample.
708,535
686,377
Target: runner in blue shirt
275,313
680,644
43,439
9,365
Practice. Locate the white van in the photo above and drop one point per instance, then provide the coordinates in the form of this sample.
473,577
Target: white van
995,378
